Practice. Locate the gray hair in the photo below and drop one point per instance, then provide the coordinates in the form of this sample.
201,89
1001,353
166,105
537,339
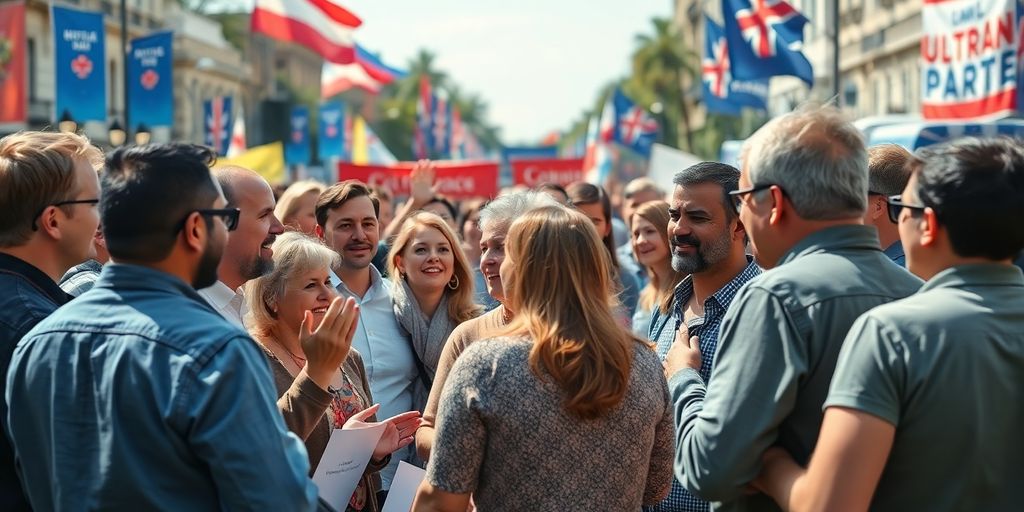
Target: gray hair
294,253
507,208
723,175
817,157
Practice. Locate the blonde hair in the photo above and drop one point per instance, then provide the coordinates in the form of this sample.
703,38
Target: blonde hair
461,306
288,204
37,169
561,293
656,292
294,253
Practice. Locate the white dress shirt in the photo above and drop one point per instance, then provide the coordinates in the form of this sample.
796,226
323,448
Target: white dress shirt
230,304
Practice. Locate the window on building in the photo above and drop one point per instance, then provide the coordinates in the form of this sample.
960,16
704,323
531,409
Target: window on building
850,94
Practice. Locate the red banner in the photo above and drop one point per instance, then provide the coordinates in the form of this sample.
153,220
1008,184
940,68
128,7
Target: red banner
547,170
12,63
454,180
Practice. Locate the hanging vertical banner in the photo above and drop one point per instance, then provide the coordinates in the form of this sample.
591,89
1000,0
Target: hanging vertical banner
217,123
12,64
151,94
296,150
969,54
79,56
331,123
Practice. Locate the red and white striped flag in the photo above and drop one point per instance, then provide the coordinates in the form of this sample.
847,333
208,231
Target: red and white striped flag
320,25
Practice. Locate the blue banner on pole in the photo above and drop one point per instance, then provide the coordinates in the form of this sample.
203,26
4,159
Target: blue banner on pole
217,116
332,131
296,150
79,57
151,94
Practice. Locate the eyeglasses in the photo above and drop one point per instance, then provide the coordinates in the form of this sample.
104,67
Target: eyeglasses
228,215
737,195
35,227
896,205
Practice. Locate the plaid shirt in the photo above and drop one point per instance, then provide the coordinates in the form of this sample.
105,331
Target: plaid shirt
706,329
80,278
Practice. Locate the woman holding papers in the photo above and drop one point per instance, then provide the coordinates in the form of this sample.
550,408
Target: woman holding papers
305,329
533,419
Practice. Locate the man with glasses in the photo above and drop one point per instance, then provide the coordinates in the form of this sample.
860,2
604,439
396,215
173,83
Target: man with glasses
926,406
48,195
138,395
248,253
803,189
887,176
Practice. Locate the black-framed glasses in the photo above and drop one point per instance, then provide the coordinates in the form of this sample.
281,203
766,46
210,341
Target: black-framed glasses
737,195
895,205
228,215
35,227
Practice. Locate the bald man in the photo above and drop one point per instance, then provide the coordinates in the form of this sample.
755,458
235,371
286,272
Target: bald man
247,254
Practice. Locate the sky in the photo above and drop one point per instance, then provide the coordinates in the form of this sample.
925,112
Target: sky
537,63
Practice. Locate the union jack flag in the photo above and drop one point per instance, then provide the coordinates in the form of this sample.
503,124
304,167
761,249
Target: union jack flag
721,92
635,128
217,113
764,38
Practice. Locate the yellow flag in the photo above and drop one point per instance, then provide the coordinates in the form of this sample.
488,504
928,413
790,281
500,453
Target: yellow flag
267,160
360,151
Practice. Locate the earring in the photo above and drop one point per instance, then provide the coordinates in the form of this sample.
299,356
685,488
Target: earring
454,283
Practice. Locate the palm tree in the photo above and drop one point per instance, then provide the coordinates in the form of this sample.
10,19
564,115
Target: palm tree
423,64
663,65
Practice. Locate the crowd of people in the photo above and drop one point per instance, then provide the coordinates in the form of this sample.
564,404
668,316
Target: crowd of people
830,327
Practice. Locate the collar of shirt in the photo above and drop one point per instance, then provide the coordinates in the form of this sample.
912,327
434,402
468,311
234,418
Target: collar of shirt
37,278
984,274
220,295
135,277
376,283
895,250
721,298
853,236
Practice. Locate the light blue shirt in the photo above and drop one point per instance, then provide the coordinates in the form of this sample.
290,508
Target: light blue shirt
387,355
139,396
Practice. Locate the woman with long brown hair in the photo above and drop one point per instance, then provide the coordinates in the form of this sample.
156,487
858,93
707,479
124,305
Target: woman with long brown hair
563,393
652,250
593,201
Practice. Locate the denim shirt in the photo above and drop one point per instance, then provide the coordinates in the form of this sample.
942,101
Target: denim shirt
138,395
29,296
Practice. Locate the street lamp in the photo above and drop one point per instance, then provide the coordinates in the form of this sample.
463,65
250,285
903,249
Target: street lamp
142,135
117,134
67,123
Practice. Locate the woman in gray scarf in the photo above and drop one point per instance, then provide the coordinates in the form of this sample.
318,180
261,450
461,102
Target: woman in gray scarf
433,292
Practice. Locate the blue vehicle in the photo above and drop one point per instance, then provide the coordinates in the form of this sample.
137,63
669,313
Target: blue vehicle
925,133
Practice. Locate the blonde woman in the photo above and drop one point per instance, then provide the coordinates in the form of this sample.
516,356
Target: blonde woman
433,290
566,410
652,250
321,380
295,206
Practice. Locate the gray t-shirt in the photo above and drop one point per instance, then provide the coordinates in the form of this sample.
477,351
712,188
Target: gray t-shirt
946,368
504,435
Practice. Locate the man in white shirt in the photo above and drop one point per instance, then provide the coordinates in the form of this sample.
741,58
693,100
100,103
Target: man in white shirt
347,221
247,254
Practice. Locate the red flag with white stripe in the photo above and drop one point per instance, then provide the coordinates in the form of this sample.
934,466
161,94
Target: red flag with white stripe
320,25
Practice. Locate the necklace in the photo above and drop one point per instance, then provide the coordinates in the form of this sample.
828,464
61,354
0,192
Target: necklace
299,361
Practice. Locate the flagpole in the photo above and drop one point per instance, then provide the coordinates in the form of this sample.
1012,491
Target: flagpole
835,54
128,129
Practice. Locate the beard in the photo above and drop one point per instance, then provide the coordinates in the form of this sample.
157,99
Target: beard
704,257
206,273
256,267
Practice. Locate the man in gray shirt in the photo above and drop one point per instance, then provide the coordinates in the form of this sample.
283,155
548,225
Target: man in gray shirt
803,189
926,406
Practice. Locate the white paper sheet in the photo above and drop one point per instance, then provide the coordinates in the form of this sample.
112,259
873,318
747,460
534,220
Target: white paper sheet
403,488
344,460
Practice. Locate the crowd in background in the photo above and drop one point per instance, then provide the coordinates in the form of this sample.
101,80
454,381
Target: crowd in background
829,327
